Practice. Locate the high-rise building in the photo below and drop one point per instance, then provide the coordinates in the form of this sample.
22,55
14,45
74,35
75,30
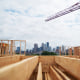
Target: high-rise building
35,47
48,47
47,44
18,50
63,50
57,49
44,46
54,50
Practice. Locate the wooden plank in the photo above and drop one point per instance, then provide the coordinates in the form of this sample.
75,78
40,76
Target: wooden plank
14,48
59,50
70,51
65,77
20,47
25,49
48,75
4,61
8,47
1,48
75,50
15,40
71,65
39,75
19,71
54,74
11,48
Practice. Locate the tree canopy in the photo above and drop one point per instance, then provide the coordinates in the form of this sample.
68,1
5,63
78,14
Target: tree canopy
48,53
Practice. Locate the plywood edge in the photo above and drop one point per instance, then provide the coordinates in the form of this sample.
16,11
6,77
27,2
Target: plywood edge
39,75
54,74
62,74
70,65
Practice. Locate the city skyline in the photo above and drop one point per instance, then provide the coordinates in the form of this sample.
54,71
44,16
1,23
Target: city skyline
52,44
36,49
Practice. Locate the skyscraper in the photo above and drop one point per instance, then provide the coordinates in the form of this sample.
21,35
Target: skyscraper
63,50
35,47
18,50
44,47
54,50
57,49
47,44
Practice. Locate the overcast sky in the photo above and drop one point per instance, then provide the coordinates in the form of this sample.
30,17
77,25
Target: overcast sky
25,20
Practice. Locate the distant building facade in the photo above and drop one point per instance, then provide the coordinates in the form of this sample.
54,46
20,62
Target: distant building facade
18,50
57,49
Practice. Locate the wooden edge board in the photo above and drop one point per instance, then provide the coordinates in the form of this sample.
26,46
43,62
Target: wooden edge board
39,75
62,74
54,74
48,75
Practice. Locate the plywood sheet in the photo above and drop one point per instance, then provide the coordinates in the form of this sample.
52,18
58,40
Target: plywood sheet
19,71
71,65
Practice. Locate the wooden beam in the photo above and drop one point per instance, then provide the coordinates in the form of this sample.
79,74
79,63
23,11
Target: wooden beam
8,47
54,74
25,48
39,75
65,51
20,40
70,51
1,47
6,51
14,48
14,40
75,50
79,50
59,50
65,77
20,47
48,76
11,48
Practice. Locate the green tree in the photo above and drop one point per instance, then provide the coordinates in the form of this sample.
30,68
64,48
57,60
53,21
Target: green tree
48,53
